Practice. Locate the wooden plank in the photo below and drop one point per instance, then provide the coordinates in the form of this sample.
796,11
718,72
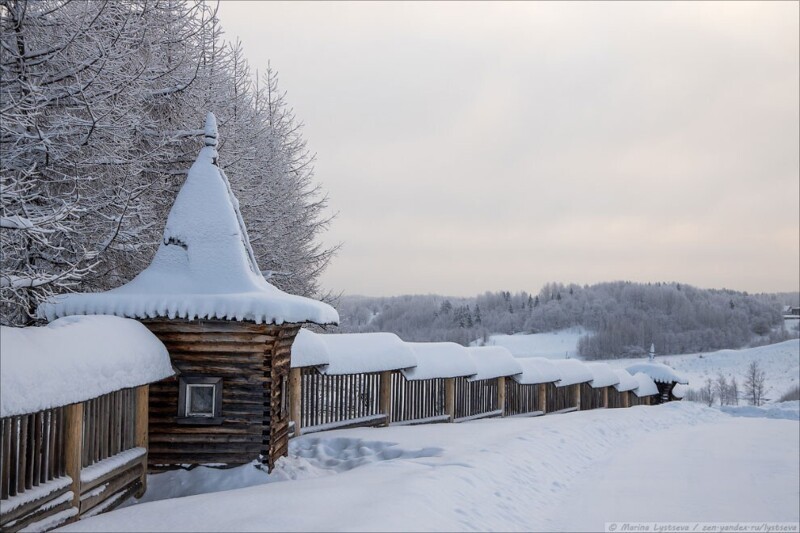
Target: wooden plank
23,453
450,398
12,472
31,511
122,479
385,395
142,430
501,394
542,397
73,441
5,465
296,399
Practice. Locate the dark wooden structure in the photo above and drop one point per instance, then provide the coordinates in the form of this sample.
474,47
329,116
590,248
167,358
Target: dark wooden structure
69,462
336,401
562,399
252,361
618,399
417,401
476,399
525,399
593,398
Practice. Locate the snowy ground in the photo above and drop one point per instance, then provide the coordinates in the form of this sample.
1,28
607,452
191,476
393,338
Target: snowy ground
676,462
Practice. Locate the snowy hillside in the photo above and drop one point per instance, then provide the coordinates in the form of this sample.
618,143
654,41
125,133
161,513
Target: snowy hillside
554,345
550,473
780,362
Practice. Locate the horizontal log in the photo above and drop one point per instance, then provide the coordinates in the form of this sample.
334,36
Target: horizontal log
112,486
221,337
211,326
189,449
161,461
214,439
38,514
30,506
216,347
174,429
136,464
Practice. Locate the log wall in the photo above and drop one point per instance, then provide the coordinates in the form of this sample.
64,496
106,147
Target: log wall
253,362
591,398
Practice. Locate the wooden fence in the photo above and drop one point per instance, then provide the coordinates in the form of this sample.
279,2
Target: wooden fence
338,401
524,399
618,399
563,399
476,399
592,398
418,401
60,464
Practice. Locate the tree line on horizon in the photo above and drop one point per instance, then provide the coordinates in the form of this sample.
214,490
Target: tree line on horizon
103,105
622,318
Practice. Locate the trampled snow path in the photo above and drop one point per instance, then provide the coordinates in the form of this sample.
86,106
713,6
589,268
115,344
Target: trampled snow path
513,474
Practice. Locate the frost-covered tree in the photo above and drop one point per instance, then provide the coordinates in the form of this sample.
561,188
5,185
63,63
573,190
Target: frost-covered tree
755,383
102,108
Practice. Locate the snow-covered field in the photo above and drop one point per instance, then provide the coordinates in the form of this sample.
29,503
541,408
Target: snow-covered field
780,362
553,345
676,462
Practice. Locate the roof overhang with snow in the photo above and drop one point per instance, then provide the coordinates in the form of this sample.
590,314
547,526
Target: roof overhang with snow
536,370
572,372
74,359
492,362
352,353
646,385
439,360
659,372
602,375
204,267
626,381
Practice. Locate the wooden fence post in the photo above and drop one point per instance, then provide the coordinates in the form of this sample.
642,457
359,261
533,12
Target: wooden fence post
605,397
577,396
501,394
73,448
295,399
450,398
385,395
542,397
626,399
142,436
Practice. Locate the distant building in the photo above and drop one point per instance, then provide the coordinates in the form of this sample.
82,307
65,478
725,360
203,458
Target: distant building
791,312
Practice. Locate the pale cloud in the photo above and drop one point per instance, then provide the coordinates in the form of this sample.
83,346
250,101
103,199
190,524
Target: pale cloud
484,146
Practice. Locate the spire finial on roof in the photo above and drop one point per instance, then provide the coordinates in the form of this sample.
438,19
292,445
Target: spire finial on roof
211,130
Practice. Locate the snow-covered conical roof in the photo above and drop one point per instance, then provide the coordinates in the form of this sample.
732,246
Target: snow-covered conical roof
204,266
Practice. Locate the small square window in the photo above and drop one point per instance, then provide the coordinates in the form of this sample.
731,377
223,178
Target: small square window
199,400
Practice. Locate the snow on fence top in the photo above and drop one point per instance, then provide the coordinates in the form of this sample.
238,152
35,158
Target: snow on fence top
358,353
309,350
536,370
626,381
602,375
647,387
204,266
439,360
74,359
659,372
572,372
492,362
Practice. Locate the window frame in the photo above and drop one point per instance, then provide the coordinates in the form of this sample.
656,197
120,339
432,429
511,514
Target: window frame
187,418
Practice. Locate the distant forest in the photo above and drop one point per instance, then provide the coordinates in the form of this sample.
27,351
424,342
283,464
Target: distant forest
624,318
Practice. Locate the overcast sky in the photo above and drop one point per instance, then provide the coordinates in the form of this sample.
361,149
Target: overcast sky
471,146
